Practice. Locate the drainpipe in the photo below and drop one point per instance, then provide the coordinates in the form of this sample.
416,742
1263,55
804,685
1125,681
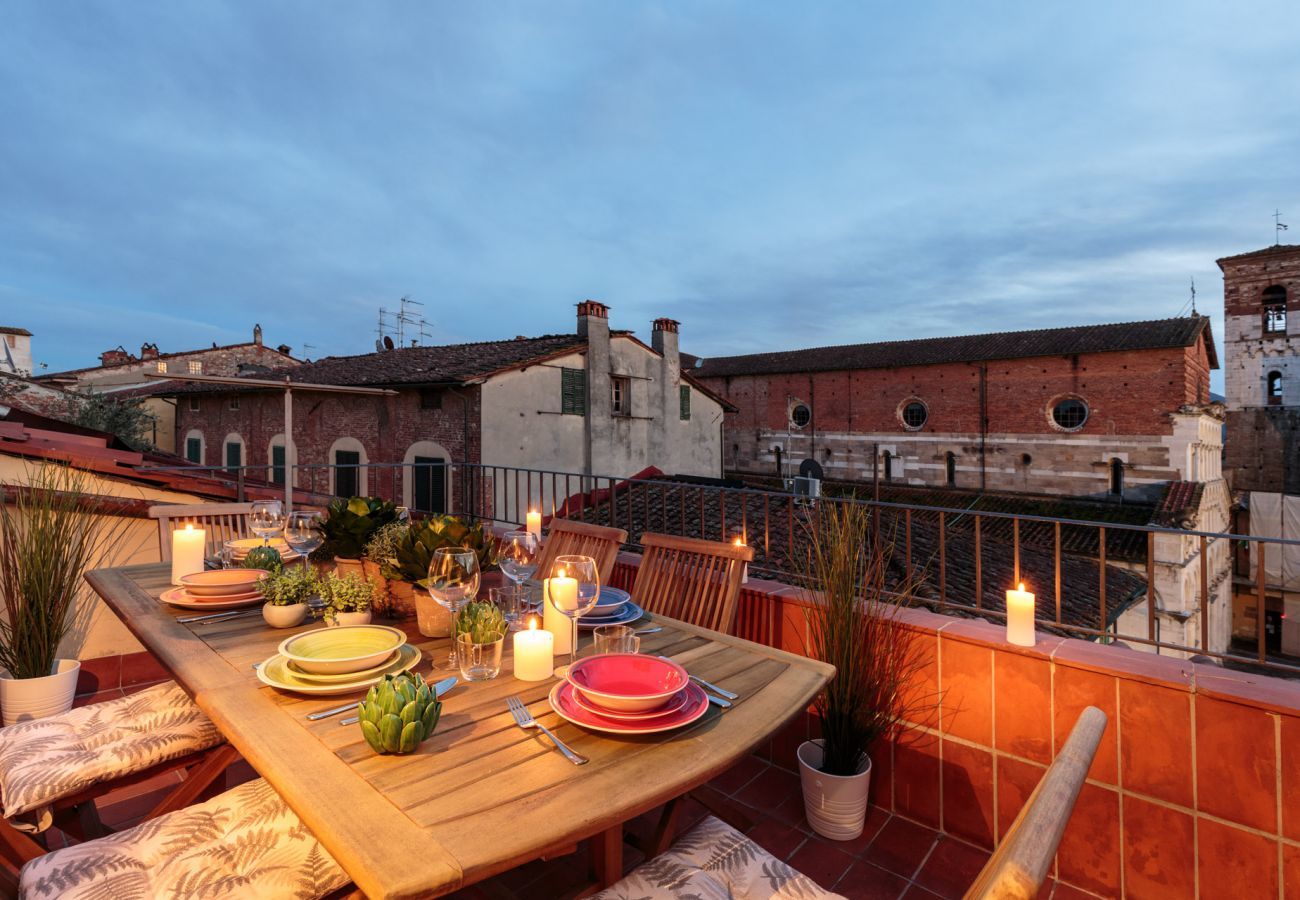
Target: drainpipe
984,421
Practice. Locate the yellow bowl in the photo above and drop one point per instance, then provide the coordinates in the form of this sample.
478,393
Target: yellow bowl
345,648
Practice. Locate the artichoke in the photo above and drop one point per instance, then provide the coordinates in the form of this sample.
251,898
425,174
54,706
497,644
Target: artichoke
414,549
398,713
264,558
349,524
482,620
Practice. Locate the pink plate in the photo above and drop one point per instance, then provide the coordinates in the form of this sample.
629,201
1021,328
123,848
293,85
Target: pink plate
628,682
678,701
182,598
222,582
561,699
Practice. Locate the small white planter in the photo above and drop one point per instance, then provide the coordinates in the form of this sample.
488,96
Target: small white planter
836,805
24,699
284,616
350,618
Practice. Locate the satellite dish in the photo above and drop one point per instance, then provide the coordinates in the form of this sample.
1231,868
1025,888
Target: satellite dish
379,345
810,468
388,343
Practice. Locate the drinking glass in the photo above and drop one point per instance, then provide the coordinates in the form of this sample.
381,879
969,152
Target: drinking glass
479,662
302,531
577,598
616,639
453,582
512,600
266,518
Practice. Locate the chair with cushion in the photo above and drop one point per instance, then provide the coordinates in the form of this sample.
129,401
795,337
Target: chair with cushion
53,769
246,842
714,860
221,521
566,538
690,579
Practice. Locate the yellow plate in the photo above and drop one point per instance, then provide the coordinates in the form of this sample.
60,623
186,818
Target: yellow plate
275,672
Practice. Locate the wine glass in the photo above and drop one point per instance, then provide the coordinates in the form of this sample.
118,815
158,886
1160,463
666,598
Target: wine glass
517,554
302,531
573,589
453,582
266,518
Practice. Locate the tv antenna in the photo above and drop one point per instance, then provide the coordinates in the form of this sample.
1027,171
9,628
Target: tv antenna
385,325
1193,295
1278,227
306,350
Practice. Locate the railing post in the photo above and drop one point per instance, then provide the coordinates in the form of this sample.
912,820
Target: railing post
239,484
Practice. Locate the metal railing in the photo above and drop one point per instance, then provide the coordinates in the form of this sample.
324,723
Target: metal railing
964,558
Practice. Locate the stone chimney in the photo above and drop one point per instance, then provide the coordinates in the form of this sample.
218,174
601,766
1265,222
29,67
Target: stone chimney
663,338
593,324
148,351
592,313
115,357
257,335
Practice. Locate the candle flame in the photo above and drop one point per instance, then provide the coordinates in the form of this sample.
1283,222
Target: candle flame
532,623
189,526
564,573
1022,587
740,541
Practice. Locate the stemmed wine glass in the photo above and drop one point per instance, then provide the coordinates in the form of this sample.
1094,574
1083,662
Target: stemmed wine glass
302,531
517,554
266,518
573,589
453,582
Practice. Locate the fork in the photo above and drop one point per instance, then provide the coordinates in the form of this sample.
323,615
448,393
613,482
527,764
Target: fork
524,719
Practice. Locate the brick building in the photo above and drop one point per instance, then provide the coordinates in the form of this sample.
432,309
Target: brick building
592,401
121,372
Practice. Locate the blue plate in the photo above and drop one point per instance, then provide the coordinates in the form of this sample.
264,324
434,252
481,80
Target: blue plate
629,613
611,602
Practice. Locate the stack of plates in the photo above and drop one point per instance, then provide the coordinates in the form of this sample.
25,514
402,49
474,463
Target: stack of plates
614,607
338,660
626,693
217,589
239,548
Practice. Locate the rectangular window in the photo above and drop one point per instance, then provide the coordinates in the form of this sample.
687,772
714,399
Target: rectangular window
234,456
11,340
162,366
431,398
347,467
684,401
194,450
194,404
621,395
573,392
1275,320
196,367
277,464
234,403
429,492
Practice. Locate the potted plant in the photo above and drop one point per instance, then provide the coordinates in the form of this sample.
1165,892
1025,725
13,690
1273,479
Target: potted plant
287,593
380,550
407,568
853,623
348,525
480,639
347,599
51,530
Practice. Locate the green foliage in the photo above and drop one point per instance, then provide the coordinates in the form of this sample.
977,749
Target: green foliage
414,549
128,419
398,713
346,593
349,524
267,558
384,542
482,621
296,584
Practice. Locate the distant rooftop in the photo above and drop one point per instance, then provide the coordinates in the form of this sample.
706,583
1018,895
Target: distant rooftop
1275,250
10,329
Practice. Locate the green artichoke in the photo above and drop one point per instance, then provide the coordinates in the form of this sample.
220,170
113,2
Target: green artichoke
482,620
398,713
264,558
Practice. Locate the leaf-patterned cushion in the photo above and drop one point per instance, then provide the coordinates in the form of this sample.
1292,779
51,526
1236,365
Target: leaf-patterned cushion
243,843
713,861
45,759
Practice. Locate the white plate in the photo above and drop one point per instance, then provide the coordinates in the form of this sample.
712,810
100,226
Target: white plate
275,672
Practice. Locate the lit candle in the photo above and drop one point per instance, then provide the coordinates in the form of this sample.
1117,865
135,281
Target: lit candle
187,552
535,523
559,593
534,653
744,575
1020,617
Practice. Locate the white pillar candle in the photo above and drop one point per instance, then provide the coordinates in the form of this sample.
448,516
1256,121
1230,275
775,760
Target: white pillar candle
561,592
744,572
535,523
187,552
1020,617
534,653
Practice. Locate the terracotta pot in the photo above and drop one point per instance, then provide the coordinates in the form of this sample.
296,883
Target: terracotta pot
24,699
836,805
401,599
432,618
349,567
379,595
284,616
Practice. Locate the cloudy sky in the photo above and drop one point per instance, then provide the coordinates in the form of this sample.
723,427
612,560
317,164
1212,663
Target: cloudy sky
774,175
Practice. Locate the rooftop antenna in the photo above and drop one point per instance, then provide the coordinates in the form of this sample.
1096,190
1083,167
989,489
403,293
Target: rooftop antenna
306,350
384,325
1278,227
1193,295
405,316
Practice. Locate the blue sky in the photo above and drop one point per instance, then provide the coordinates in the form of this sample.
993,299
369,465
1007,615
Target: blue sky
774,175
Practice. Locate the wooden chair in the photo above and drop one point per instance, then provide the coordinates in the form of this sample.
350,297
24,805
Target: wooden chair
567,537
221,521
1016,870
690,579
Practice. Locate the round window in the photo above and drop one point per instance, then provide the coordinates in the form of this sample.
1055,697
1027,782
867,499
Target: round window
1070,413
915,414
800,416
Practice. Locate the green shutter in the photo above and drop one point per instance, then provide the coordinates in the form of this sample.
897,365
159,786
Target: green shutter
573,394
685,400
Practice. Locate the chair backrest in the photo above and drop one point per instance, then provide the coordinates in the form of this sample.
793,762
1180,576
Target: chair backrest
692,580
567,537
221,521
1017,868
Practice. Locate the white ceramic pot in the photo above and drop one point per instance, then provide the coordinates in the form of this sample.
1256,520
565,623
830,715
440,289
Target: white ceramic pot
24,699
350,618
284,616
836,805
432,618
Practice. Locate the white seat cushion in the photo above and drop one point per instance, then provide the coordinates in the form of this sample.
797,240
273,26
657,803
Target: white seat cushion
714,861
243,843
46,759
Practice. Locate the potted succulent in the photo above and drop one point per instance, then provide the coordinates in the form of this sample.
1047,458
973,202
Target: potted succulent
380,549
480,636
51,530
348,525
406,568
348,599
287,593
854,626
398,713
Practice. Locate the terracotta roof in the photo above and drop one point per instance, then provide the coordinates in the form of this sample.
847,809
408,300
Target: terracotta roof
1179,504
1156,334
135,360
10,329
1275,250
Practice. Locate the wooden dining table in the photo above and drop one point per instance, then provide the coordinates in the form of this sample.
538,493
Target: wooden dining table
481,795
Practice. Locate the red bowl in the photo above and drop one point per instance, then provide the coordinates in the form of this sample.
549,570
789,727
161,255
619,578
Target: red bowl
627,682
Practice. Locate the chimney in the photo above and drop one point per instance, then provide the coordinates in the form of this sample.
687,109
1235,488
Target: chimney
593,324
148,351
115,357
663,336
592,312
257,335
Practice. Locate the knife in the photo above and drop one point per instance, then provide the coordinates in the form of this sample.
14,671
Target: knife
213,617
730,695
439,689
719,702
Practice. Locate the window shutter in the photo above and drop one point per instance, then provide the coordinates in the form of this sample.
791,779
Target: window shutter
573,399
685,401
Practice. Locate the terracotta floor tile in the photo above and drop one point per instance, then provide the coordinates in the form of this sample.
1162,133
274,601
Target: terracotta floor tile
767,790
1228,858
791,812
101,674
1069,892
866,881
876,819
88,699
916,892
901,846
951,868
739,775
1227,788
821,861
1016,781
1159,851
141,668
777,838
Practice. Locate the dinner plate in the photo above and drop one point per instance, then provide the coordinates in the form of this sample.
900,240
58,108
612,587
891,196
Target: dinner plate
223,582
629,613
275,672
610,602
182,598
678,700
562,701
345,677
239,548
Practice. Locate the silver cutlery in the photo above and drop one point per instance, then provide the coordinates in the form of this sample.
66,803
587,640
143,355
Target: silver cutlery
524,719
730,695
641,631
439,689
218,616
719,702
